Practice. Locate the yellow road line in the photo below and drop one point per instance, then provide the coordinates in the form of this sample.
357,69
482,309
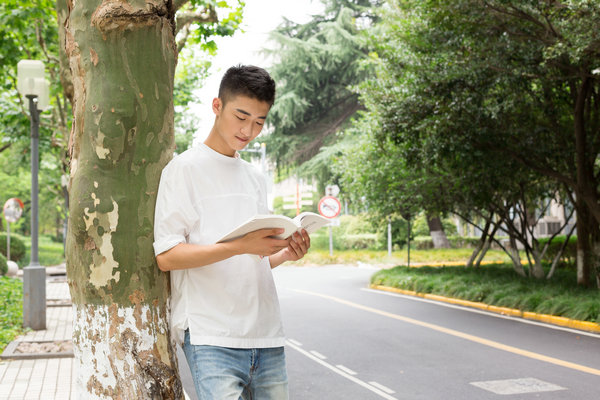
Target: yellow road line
549,319
462,335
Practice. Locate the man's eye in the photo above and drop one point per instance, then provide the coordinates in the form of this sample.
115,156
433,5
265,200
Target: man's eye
240,118
259,123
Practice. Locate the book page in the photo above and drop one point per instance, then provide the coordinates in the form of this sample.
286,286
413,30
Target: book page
311,221
263,222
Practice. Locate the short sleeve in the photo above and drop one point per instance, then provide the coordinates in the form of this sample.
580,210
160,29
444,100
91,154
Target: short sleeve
174,214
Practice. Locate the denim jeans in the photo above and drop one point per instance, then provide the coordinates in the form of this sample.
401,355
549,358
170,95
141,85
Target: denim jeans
222,373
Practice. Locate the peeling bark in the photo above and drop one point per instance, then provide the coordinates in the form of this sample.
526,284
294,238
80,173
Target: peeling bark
122,56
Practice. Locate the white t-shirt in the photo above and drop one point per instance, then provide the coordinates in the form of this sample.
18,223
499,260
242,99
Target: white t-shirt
232,303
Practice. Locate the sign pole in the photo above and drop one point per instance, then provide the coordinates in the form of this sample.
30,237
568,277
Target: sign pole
8,241
330,207
408,250
389,237
330,241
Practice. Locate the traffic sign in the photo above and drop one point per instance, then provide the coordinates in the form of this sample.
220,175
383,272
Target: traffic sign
13,209
329,207
332,190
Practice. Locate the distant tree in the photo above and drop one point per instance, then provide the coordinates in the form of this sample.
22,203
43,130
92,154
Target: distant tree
316,65
448,117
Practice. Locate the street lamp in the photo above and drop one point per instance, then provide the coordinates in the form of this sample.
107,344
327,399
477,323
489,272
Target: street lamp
32,84
260,148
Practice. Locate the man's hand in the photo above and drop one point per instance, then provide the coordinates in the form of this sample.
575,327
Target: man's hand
262,242
297,248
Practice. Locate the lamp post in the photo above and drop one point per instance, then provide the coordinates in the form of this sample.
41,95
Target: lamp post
260,148
32,85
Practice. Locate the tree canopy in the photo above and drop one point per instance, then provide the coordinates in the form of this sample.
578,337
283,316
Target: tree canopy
493,105
317,63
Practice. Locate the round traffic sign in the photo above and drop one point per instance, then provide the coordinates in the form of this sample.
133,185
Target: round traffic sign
13,209
329,207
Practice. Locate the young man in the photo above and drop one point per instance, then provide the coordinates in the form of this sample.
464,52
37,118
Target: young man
224,303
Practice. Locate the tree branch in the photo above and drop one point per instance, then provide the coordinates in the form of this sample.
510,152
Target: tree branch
6,146
206,16
177,4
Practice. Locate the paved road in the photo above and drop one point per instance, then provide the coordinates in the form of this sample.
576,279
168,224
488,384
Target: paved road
348,342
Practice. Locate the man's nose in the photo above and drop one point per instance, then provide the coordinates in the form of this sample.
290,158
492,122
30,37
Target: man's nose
248,129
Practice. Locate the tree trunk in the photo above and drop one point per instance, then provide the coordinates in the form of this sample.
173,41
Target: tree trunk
122,57
66,81
436,230
515,257
583,245
481,244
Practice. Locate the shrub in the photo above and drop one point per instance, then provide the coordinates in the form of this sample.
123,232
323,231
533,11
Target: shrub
570,253
3,265
461,242
423,242
11,309
362,241
17,247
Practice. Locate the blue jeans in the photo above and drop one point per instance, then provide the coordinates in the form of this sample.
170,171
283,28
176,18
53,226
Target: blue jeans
232,374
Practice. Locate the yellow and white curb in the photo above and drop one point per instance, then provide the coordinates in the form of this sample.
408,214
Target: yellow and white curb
549,319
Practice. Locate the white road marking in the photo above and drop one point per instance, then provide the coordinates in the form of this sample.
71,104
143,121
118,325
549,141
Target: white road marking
318,355
346,375
459,334
295,342
517,386
380,386
489,313
345,369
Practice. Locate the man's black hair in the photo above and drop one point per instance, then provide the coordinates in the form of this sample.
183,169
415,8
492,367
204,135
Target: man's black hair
249,81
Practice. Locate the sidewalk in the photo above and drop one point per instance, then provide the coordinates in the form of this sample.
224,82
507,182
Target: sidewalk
43,377
51,376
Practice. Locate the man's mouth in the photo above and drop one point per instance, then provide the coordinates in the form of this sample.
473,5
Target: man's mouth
241,139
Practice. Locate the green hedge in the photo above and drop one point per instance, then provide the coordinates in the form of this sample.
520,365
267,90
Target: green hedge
3,265
359,241
569,255
456,242
17,247
11,310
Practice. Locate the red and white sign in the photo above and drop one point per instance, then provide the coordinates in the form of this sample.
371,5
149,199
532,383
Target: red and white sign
329,207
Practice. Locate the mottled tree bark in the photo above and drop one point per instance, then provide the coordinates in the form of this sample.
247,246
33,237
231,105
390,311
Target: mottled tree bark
122,57
436,230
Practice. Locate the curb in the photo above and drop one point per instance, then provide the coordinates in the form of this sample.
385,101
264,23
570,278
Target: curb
11,354
549,319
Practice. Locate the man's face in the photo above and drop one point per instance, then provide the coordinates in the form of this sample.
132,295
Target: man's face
238,122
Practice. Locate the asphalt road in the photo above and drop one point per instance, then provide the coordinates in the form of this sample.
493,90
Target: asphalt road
348,342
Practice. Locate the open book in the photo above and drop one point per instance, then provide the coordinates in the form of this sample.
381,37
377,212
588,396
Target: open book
307,220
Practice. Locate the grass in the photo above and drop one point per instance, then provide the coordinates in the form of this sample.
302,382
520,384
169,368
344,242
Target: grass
499,285
11,310
322,257
49,252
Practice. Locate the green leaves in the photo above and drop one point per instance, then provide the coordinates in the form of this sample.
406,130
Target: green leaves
317,64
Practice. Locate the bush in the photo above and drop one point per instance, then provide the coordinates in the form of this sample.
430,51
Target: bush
461,242
3,265
11,310
422,242
362,241
456,242
569,255
17,247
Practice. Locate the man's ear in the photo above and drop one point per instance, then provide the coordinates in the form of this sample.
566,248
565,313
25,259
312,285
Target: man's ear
217,105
